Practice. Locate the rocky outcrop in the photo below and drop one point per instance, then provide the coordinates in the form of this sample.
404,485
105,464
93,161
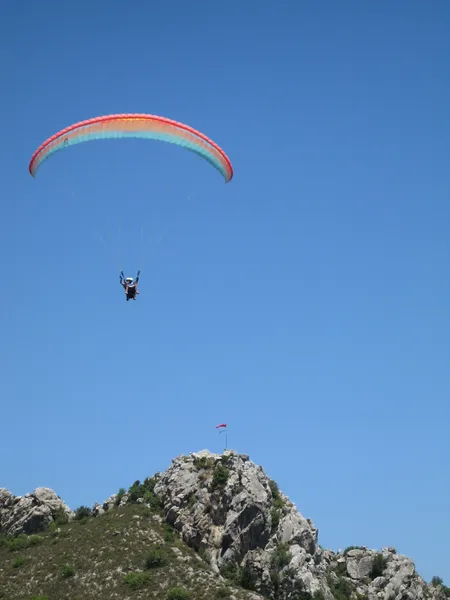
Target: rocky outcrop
226,507
375,575
30,513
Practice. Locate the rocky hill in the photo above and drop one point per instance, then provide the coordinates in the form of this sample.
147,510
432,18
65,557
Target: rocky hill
211,526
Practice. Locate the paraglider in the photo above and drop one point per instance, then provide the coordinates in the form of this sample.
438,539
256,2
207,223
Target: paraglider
134,126
129,285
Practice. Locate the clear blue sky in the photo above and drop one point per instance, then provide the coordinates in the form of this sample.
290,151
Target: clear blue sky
306,303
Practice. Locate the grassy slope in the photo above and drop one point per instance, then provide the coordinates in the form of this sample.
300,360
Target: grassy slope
100,552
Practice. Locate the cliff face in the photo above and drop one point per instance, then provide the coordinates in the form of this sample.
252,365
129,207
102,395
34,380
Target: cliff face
227,507
247,531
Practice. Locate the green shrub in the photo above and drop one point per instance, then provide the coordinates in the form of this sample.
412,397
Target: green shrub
220,476
52,527
275,516
19,542
178,593
82,512
282,557
437,581
157,557
35,540
169,533
60,516
247,579
136,579
145,491
278,501
120,494
229,570
67,571
203,553
203,462
378,566
18,562
341,590
40,598
274,488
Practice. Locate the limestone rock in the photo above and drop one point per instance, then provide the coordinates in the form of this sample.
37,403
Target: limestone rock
384,575
227,505
30,513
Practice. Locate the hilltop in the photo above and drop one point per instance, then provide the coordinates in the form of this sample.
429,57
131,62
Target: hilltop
211,526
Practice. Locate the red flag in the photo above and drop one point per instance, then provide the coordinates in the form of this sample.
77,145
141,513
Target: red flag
221,425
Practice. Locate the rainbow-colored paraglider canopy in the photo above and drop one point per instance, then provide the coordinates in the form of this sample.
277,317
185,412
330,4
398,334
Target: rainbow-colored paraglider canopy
134,126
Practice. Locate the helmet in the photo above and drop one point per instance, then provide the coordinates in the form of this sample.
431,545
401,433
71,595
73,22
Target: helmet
129,280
